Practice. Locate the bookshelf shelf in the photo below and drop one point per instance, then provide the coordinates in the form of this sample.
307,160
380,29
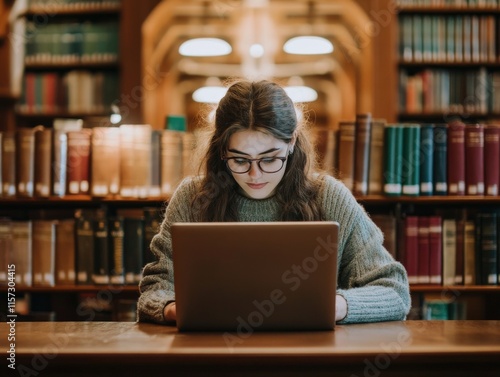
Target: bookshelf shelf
84,11
449,10
445,117
435,64
115,289
380,199
455,288
72,65
79,200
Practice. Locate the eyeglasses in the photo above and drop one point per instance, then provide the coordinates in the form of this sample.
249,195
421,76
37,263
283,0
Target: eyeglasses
241,165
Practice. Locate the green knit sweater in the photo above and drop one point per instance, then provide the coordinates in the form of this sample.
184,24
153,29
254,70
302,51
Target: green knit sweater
373,283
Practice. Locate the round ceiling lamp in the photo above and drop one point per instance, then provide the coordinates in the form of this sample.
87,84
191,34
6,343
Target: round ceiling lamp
209,94
202,47
300,93
308,45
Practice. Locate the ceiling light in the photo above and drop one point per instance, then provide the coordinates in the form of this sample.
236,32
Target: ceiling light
308,45
209,94
301,93
205,47
256,50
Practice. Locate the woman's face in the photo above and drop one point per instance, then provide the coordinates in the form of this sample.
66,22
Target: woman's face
248,144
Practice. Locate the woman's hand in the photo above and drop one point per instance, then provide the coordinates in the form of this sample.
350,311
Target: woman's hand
340,308
169,312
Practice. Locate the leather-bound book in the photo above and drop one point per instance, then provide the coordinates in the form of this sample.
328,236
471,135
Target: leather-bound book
492,160
474,159
362,153
456,158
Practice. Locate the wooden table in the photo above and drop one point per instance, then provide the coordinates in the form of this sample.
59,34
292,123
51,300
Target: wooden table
410,348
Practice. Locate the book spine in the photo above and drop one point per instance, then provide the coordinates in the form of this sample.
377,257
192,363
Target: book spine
78,173
84,248
116,239
393,159
474,159
133,249
440,171
435,249
43,159
492,160
362,153
411,246
411,160
8,166
171,161
469,253
65,252
101,273
426,159
456,158
25,161
376,171
449,251
43,253
423,275
489,252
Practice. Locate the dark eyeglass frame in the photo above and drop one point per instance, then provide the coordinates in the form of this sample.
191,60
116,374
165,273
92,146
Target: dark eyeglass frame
259,160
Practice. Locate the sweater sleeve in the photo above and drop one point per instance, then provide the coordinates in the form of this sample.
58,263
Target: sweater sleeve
157,284
374,285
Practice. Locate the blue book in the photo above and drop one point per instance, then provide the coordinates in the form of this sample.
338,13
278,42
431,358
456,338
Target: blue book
439,157
426,159
393,144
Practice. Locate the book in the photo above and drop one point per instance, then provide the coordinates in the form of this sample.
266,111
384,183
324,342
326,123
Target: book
449,251
152,222
6,252
44,252
346,150
376,171
410,172
25,161
188,148
8,164
105,161
440,159
460,247
491,160
116,248
423,272
65,252
435,249
469,253
393,156
171,161
102,256
426,159
133,241
135,160
42,162
411,247
474,159
155,187
456,158
388,226
85,245
488,248
22,249
362,138
78,161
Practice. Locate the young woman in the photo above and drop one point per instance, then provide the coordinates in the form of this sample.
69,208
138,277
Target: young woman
260,166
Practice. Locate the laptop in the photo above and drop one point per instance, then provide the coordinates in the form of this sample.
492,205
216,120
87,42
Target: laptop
255,276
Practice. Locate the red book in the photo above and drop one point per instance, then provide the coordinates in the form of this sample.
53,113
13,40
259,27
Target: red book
411,247
78,172
491,159
423,250
435,249
474,159
456,158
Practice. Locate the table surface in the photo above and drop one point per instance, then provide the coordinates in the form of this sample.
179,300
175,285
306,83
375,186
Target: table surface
403,342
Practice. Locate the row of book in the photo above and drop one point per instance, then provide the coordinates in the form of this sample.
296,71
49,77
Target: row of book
451,251
418,159
444,91
437,38
449,3
91,248
56,43
130,160
36,5
74,92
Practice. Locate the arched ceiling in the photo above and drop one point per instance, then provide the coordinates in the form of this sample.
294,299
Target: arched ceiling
337,76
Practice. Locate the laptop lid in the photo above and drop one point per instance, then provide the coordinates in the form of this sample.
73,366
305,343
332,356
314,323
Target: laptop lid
255,276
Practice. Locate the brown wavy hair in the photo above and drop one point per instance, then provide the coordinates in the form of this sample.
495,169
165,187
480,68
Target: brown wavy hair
261,106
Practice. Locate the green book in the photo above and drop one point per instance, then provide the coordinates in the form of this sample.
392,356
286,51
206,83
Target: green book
426,159
393,145
411,160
